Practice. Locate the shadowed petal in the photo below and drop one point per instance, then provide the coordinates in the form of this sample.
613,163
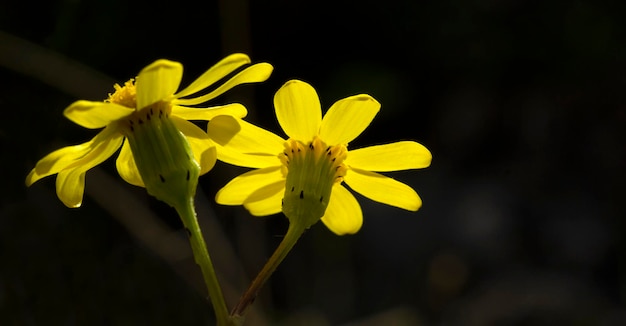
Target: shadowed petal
383,189
201,145
397,156
158,82
70,187
246,186
244,144
298,110
347,118
236,110
215,73
94,115
343,214
126,166
253,74
271,203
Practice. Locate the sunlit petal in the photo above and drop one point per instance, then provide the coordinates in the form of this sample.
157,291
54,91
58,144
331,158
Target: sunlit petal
201,145
69,156
95,115
215,73
244,144
397,156
253,74
343,215
271,204
126,166
256,161
57,161
250,186
157,82
383,189
236,110
347,118
70,183
298,110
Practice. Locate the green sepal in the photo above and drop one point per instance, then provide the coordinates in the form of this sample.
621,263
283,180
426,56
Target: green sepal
163,156
313,169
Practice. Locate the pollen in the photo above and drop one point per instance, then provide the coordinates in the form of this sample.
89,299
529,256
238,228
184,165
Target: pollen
124,95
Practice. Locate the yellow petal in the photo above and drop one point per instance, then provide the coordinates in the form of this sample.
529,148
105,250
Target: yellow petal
253,74
343,214
158,81
271,203
57,161
250,186
68,157
201,145
298,110
347,118
244,144
383,189
215,73
94,115
70,183
70,186
397,156
126,166
236,110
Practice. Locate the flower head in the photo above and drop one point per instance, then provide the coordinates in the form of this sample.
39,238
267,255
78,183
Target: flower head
148,119
303,176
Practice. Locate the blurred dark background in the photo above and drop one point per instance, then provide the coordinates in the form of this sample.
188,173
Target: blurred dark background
520,102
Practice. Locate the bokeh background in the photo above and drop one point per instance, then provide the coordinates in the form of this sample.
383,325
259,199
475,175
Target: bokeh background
520,102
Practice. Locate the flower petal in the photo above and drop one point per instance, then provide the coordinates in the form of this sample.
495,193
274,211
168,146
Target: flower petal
70,183
94,115
70,186
215,73
70,156
158,81
343,214
253,74
235,109
383,189
271,204
244,144
201,145
298,110
251,186
126,166
347,118
397,156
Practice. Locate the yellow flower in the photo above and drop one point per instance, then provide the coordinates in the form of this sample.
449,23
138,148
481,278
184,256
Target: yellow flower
303,175
150,100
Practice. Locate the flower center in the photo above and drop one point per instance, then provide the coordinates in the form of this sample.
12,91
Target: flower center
126,95
311,171
162,154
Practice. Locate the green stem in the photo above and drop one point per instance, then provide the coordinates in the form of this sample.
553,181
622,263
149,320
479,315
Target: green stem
290,239
188,215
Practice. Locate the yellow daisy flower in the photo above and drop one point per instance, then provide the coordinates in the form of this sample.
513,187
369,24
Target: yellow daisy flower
303,176
148,119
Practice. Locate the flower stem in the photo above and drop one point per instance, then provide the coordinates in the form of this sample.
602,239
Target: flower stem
293,234
187,213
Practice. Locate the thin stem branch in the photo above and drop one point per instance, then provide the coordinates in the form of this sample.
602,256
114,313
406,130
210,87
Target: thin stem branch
290,239
187,213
